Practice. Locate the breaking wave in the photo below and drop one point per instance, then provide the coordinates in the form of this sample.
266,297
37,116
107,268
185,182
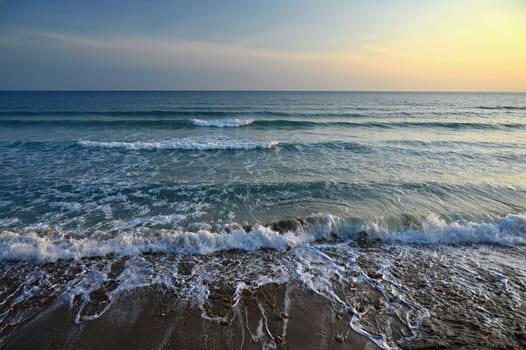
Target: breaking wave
50,245
260,123
222,123
195,144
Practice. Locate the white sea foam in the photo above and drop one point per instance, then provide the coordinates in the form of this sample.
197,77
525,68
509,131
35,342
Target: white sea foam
68,206
8,222
508,230
189,144
222,123
32,244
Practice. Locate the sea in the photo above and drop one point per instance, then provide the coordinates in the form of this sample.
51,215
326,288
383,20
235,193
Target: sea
407,210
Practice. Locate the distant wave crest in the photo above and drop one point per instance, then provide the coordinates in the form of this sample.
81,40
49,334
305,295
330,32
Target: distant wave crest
511,108
188,144
260,123
222,123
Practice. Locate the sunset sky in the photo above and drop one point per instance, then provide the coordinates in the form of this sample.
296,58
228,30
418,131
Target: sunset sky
468,45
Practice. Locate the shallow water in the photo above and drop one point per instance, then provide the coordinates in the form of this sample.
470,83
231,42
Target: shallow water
411,205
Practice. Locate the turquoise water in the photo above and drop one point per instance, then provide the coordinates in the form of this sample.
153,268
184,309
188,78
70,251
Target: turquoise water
105,174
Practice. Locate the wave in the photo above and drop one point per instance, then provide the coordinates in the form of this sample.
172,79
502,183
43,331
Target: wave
508,230
222,123
32,246
495,145
50,246
189,144
133,122
109,113
259,123
176,113
511,108
196,144
388,124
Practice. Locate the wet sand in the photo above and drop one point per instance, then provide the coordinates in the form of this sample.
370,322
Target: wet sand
272,316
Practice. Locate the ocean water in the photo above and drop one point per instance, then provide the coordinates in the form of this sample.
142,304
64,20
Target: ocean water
415,200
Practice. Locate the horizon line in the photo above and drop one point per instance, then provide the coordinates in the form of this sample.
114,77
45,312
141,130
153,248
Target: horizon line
260,90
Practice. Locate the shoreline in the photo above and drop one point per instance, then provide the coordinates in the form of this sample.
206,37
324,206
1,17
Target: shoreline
277,316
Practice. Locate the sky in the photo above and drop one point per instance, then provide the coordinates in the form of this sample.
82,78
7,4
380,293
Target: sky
415,45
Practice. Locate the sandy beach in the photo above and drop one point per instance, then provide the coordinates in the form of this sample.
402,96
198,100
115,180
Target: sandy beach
273,316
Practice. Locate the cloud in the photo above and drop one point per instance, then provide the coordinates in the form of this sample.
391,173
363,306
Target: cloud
166,49
229,63
167,63
416,63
